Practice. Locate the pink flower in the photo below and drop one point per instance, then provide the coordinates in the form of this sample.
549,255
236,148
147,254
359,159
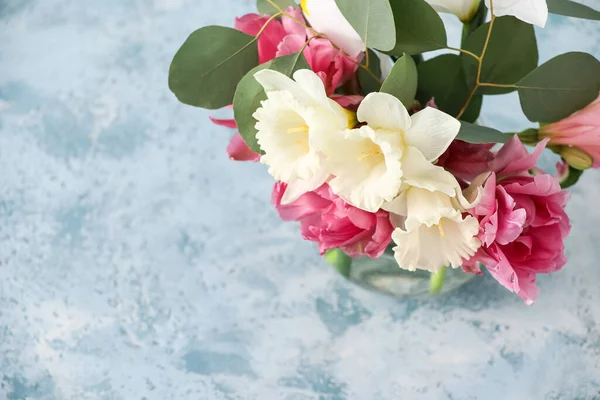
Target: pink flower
466,160
269,39
581,130
332,223
280,38
331,65
522,221
288,37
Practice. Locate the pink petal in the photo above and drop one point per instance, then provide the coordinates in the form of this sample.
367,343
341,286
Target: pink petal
228,123
238,150
289,45
292,27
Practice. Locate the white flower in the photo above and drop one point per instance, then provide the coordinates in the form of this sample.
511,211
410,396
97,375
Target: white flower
325,17
372,163
294,113
463,9
531,11
435,233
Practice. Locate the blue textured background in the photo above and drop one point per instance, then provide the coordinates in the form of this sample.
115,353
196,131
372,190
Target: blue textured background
138,262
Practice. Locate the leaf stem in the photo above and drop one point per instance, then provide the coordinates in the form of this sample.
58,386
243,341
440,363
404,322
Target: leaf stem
262,29
475,56
479,64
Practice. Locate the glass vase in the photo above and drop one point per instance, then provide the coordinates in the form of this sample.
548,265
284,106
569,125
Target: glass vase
385,276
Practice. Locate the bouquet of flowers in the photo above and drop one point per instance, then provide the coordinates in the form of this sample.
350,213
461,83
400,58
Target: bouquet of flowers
374,146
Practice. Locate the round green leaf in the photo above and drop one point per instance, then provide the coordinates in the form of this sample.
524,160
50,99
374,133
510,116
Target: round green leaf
207,68
250,93
560,87
402,80
367,80
473,133
572,9
419,28
511,54
266,8
443,79
372,19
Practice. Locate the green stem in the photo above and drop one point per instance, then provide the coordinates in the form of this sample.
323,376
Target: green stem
466,31
436,281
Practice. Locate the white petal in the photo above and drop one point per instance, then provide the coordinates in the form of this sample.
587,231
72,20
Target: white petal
276,81
325,17
366,166
431,247
421,173
287,153
463,9
431,131
299,187
530,11
398,205
425,207
383,111
313,86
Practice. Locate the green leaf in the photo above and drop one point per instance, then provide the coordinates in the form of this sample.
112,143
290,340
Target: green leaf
372,19
572,177
480,134
265,8
443,79
207,68
419,28
572,9
402,80
250,93
367,81
560,87
511,54
340,261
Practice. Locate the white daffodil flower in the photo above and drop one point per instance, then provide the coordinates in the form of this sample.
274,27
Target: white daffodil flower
295,112
463,9
372,163
435,233
325,17
531,11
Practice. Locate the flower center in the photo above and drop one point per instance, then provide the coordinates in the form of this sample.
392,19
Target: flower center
302,128
441,228
368,154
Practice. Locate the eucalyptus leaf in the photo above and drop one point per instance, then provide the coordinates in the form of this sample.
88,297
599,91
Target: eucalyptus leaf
207,68
367,80
266,8
419,27
250,93
402,80
560,87
572,9
373,20
443,79
473,133
511,54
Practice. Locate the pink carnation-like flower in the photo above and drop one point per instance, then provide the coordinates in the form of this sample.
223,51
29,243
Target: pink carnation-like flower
466,160
522,221
332,223
281,38
581,130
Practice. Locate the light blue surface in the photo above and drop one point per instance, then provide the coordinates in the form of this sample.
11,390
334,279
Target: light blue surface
138,262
